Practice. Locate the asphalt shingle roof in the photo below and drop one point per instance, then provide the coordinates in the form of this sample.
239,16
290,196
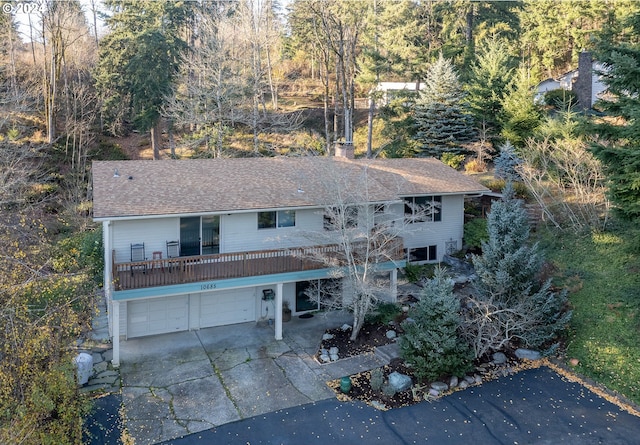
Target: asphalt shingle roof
170,187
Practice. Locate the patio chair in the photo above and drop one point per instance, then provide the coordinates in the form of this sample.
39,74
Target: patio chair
173,251
137,255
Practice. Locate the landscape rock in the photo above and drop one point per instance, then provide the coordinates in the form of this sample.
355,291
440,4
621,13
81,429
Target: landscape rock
391,334
477,379
399,382
434,392
463,384
440,386
327,336
528,354
378,405
469,379
345,327
333,350
453,381
324,358
499,358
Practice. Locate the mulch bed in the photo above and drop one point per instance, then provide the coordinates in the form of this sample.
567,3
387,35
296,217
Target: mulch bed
373,335
370,336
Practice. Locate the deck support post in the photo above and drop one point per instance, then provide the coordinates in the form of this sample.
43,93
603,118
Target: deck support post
393,278
115,338
278,313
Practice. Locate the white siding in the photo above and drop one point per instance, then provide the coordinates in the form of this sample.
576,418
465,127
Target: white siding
240,232
436,233
154,233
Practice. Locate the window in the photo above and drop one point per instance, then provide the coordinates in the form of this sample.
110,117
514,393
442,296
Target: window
271,220
423,209
333,219
429,253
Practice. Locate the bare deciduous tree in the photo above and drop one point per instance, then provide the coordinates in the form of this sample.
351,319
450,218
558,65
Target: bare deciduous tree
366,237
567,182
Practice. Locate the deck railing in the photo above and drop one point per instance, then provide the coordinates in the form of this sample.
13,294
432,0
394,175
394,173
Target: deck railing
192,269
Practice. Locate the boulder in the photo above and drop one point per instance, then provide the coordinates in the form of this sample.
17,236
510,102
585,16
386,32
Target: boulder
439,386
499,358
399,382
453,381
528,354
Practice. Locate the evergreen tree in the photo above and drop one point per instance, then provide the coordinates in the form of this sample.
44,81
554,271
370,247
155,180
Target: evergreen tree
512,306
431,340
442,121
619,143
520,116
491,73
505,164
139,60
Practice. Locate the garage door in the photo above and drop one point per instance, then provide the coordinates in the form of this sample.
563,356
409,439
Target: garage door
157,316
227,307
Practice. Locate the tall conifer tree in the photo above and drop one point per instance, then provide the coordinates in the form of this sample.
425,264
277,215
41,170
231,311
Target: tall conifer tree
442,121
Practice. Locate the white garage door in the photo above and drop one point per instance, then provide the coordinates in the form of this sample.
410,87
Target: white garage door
227,307
157,316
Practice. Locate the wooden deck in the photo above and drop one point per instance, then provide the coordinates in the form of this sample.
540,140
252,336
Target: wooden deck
192,269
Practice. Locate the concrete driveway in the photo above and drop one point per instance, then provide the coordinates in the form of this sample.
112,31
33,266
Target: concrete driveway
186,382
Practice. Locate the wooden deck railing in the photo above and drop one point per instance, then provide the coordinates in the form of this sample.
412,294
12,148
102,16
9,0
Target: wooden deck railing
192,269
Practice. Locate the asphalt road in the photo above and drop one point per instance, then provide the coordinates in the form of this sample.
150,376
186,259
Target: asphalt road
536,406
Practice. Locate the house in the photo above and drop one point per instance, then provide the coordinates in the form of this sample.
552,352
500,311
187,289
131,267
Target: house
190,244
585,82
391,90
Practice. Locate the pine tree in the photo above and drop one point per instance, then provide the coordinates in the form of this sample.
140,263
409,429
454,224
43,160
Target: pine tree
441,118
491,73
139,61
505,164
431,340
620,138
511,305
520,115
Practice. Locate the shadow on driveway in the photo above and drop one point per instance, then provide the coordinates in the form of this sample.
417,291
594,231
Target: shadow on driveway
537,406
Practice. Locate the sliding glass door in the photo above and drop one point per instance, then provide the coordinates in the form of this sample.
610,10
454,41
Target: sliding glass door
199,235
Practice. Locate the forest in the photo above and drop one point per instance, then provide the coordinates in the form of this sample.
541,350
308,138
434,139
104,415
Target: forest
153,79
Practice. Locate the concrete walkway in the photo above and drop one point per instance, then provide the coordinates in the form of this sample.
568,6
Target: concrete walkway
177,384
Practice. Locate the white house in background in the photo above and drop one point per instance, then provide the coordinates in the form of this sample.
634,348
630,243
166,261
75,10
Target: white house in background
391,90
584,82
190,244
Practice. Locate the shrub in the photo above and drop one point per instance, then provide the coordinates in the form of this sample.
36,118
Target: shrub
452,160
384,313
475,232
475,166
377,379
431,342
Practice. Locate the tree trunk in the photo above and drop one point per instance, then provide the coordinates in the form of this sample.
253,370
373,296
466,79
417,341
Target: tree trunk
155,140
372,108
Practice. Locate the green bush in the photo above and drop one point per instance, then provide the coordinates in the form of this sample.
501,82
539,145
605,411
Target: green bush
475,232
561,99
452,160
384,313
431,342
497,185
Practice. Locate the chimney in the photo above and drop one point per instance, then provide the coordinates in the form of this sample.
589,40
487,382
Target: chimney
344,150
583,84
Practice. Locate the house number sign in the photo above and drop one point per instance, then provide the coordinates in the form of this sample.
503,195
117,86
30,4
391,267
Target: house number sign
208,286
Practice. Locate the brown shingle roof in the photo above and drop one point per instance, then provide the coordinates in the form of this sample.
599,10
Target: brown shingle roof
146,188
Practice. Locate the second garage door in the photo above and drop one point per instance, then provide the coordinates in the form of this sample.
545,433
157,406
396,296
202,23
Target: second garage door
227,307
